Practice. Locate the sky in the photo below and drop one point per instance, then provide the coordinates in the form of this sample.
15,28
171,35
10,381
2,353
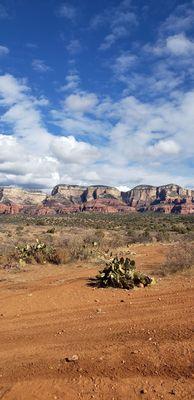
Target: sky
96,92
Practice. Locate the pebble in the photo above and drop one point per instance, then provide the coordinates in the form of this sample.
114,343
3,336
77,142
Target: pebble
72,358
143,391
173,391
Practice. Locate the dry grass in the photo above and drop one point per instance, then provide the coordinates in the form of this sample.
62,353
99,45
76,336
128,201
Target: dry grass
179,258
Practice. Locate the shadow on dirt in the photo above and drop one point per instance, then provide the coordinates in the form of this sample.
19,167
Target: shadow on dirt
93,282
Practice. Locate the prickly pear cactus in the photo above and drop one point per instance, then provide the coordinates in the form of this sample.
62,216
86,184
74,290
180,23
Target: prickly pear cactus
121,273
37,252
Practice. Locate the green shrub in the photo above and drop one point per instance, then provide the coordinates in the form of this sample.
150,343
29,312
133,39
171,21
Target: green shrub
121,273
37,252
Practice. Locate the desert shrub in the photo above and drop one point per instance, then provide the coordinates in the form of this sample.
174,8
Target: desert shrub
180,228
140,236
121,273
79,253
40,222
115,240
179,258
51,230
37,252
162,236
19,229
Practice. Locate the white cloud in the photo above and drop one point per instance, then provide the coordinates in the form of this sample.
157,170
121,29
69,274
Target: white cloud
120,21
10,90
40,66
81,102
72,82
124,62
179,45
180,20
69,150
4,50
175,45
31,155
127,142
67,11
74,46
164,147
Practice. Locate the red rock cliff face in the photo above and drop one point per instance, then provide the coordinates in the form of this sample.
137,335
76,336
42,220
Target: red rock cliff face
73,198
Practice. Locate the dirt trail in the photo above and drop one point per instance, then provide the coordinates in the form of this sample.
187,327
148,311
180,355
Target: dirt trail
130,345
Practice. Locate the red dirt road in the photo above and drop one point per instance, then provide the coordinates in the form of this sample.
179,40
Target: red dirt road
130,345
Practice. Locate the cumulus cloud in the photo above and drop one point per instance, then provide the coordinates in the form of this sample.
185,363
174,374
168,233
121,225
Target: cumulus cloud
81,102
10,90
123,142
164,147
31,155
180,45
69,150
175,45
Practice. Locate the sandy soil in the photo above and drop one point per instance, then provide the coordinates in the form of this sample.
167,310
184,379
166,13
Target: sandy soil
130,345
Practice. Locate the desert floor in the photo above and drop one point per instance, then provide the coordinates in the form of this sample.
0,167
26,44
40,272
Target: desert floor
130,344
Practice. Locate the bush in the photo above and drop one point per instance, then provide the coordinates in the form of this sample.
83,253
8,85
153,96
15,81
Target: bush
51,230
179,258
121,273
38,252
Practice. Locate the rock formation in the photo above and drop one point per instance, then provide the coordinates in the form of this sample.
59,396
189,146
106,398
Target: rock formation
9,195
73,198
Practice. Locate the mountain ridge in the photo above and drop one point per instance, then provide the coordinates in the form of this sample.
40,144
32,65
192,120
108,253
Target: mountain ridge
65,198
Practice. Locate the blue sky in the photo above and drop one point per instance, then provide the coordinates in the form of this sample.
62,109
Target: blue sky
96,92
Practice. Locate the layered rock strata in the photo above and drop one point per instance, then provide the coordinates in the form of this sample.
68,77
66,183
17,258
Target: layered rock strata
74,198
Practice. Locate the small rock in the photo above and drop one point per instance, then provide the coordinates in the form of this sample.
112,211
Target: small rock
72,358
134,352
141,285
159,298
99,310
143,391
173,391
122,301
